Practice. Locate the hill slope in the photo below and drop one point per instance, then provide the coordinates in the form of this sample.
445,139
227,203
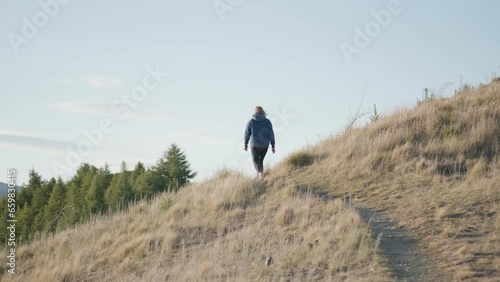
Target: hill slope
434,170
228,228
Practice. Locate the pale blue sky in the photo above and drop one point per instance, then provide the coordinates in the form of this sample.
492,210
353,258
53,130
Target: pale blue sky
283,55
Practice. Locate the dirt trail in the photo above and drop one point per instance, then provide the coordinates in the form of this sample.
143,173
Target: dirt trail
405,260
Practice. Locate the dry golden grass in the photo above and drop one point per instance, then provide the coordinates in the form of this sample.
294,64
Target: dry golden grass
436,171
224,229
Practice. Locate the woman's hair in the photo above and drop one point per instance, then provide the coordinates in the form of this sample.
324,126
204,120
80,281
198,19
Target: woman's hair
260,110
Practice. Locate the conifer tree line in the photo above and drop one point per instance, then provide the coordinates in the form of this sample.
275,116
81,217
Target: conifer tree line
48,206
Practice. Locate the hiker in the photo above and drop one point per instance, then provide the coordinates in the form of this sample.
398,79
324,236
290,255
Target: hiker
259,132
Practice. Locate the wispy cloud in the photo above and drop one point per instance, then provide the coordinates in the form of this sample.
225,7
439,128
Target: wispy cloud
98,81
106,109
27,141
86,107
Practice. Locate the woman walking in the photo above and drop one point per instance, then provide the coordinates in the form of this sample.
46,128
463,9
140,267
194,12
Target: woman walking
259,132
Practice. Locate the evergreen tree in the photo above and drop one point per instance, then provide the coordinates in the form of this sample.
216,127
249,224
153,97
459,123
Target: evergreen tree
120,191
54,210
49,206
27,211
73,201
138,171
4,232
25,196
171,171
95,195
40,200
86,173
177,168
77,191
158,176
25,221
140,182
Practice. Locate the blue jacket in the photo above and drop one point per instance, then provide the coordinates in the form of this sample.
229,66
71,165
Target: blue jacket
259,132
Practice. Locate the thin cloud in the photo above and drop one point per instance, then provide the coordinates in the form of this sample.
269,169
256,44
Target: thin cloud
106,109
85,107
97,81
100,81
27,141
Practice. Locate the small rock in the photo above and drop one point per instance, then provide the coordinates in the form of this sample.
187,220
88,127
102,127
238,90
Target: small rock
269,261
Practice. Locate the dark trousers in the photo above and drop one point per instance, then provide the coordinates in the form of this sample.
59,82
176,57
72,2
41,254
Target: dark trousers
258,155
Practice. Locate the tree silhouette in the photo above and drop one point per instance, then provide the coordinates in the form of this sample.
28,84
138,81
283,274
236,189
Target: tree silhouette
177,168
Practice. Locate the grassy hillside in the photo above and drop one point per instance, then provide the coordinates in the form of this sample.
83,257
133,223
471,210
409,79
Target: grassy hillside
433,169
229,228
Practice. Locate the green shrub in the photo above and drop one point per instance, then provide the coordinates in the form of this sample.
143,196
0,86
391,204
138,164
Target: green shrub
167,203
300,159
